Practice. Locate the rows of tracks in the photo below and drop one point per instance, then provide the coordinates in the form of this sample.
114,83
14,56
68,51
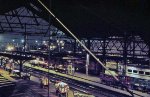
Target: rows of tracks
78,85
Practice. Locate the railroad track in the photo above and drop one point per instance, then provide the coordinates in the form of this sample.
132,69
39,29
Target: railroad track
78,85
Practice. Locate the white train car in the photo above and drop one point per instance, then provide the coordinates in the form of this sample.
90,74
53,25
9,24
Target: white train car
38,62
137,72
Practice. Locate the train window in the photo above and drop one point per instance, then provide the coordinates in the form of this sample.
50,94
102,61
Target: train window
129,70
141,72
147,73
134,71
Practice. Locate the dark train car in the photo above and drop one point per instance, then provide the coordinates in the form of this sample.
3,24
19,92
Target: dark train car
93,68
61,68
109,80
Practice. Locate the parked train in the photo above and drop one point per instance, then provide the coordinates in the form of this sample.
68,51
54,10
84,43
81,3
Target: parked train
137,72
38,62
44,64
140,77
136,78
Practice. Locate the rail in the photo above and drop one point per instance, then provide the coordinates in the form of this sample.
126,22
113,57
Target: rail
80,86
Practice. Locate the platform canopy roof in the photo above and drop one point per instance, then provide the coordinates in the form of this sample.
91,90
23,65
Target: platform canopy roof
92,18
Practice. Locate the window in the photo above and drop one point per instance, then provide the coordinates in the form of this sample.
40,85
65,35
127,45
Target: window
147,73
134,71
129,70
141,72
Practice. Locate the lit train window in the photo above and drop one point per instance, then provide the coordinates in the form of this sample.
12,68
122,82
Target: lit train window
141,72
147,73
129,70
134,71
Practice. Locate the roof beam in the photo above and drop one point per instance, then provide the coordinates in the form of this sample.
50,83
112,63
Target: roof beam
40,14
47,30
1,27
20,16
15,32
23,23
15,11
22,32
35,18
29,28
8,23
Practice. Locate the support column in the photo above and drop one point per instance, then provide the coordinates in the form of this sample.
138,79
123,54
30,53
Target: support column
25,40
104,53
1,61
74,46
87,58
87,63
149,54
21,64
49,58
133,50
124,54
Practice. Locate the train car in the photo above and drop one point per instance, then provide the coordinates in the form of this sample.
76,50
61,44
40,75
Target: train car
39,62
137,72
61,68
109,80
140,77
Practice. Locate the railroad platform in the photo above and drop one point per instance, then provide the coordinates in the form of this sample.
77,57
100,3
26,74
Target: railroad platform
7,84
7,75
90,80
24,88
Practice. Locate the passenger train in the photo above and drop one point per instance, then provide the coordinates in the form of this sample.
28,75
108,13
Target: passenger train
38,62
137,72
135,78
44,64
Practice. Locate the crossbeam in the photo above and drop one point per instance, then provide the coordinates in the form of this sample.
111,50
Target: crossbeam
8,23
18,18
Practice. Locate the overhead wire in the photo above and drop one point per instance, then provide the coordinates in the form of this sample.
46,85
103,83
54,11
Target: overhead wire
71,33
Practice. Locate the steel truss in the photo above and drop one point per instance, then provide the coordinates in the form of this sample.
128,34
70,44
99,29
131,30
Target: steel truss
21,19
125,48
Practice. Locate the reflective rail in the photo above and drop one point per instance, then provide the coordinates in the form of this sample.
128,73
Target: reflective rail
6,87
81,86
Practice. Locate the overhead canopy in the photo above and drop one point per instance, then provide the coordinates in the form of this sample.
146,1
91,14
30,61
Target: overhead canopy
92,18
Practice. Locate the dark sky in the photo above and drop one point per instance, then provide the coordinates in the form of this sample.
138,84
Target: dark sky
99,17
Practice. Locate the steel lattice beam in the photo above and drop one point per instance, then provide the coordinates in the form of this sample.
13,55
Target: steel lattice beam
33,15
23,16
1,27
15,11
8,23
23,23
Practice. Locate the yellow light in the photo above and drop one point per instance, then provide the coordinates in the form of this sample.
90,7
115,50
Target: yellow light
10,48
